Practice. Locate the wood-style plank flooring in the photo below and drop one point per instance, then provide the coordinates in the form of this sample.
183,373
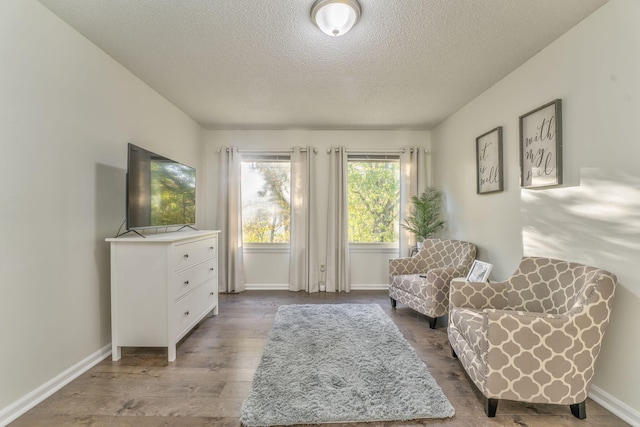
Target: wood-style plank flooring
212,375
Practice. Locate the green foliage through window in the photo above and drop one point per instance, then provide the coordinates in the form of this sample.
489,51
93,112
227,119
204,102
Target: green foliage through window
374,200
266,205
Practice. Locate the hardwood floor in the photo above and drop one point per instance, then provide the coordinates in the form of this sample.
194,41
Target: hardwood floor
212,375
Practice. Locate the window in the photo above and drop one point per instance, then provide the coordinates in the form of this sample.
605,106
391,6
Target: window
373,198
266,207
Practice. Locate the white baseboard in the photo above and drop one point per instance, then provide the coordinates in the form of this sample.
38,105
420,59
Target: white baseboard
263,287
285,287
371,287
22,405
619,409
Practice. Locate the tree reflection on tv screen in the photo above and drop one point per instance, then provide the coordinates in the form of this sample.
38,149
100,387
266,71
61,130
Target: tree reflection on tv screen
173,193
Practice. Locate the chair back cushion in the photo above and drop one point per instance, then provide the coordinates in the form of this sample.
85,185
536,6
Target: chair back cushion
545,285
443,253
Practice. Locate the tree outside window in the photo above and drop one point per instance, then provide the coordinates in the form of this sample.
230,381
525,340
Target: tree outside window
373,199
266,205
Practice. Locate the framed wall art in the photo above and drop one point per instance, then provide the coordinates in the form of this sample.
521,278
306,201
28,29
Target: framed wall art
541,146
489,161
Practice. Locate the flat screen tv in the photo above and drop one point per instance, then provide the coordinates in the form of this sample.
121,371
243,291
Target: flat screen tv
160,192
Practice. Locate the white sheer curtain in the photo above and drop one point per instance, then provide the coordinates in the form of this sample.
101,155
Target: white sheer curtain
303,260
229,211
413,182
337,260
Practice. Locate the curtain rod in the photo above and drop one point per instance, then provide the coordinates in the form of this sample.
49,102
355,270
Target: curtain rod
255,151
369,151
399,151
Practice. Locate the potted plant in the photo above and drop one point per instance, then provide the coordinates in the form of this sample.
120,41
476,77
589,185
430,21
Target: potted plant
424,220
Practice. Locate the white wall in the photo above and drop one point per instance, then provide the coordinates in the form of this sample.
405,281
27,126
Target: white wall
272,268
594,217
67,111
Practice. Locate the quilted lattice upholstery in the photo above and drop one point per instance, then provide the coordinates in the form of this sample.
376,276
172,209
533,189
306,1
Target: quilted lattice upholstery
439,260
535,337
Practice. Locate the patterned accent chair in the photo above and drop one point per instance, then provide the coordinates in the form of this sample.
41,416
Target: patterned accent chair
422,281
534,337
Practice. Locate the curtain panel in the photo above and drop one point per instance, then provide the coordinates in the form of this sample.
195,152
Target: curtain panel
337,256
229,211
413,182
303,258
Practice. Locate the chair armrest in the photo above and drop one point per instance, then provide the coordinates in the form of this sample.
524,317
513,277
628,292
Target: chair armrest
440,278
408,265
446,273
536,348
478,295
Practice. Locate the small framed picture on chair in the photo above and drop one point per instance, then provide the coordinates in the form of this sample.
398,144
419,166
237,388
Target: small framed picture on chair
479,272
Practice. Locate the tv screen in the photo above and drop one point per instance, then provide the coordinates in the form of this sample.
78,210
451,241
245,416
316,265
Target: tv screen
160,192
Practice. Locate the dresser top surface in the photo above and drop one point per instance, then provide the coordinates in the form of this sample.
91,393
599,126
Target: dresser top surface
172,236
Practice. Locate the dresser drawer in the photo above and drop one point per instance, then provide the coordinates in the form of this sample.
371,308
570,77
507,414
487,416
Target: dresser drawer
190,278
193,252
188,309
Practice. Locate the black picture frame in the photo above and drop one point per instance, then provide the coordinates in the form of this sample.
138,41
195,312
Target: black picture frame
541,146
489,162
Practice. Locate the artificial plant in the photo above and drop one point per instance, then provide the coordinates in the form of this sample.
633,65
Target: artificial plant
424,219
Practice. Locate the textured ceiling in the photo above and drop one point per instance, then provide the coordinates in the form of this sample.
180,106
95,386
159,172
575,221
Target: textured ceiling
262,64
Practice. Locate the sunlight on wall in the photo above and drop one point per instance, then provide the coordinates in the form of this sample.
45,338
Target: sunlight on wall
596,223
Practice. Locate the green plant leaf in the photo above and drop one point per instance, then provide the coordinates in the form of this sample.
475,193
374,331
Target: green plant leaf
424,220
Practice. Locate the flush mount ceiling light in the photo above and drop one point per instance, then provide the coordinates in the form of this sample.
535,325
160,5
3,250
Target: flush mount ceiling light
335,17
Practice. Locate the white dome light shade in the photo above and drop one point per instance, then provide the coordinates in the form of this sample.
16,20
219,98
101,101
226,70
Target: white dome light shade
335,17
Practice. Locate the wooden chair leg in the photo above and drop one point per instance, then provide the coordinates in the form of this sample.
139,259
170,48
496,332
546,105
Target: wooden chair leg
490,407
432,322
579,410
393,302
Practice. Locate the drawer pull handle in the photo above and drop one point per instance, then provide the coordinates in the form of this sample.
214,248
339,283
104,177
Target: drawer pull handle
211,293
186,313
211,269
186,256
186,283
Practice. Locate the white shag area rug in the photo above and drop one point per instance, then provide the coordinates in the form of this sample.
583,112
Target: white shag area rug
335,363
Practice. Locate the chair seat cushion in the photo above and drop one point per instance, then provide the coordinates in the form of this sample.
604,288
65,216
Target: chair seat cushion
411,283
468,322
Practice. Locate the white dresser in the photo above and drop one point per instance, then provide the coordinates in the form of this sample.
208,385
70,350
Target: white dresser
162,285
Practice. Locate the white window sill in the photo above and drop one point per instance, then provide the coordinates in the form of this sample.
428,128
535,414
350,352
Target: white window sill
266,248
390,248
